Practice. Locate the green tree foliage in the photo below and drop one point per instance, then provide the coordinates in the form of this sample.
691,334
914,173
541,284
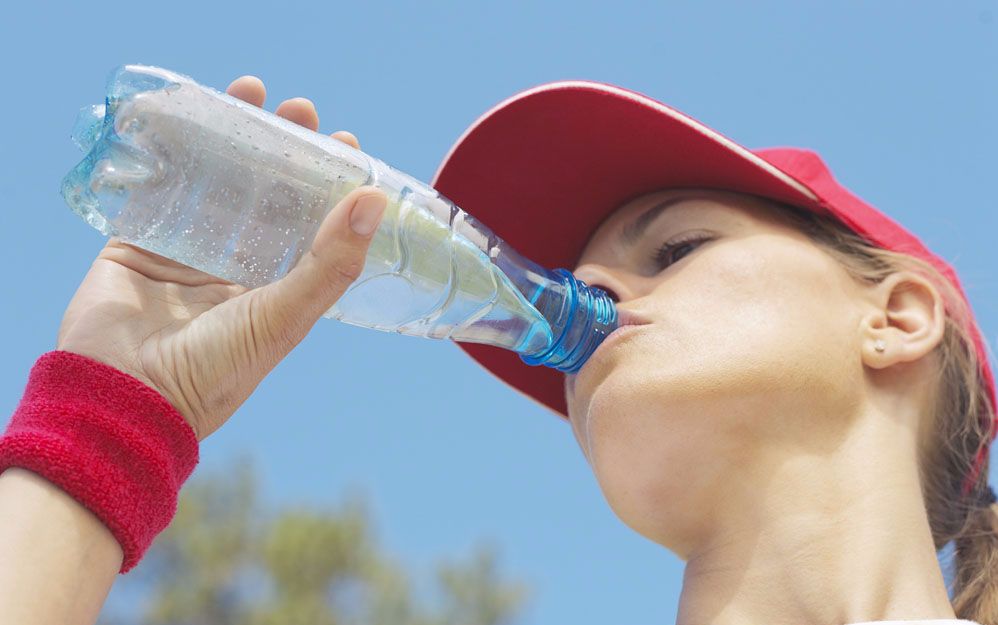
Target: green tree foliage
223,561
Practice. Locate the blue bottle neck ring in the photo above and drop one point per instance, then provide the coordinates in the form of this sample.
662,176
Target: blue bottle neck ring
585,318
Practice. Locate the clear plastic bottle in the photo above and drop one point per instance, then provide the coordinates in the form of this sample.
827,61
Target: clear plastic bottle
208,180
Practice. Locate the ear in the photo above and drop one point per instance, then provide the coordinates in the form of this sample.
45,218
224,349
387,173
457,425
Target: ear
907,320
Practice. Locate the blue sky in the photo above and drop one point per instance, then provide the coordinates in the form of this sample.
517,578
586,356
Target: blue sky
900,98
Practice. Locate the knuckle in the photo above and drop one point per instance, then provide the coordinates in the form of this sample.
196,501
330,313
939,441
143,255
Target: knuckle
279,329
342,273
288,336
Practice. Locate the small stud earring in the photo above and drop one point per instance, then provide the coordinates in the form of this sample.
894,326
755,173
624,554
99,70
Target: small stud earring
880,345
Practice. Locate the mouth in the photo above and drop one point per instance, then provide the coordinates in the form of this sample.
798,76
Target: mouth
630,318
615,337
628,323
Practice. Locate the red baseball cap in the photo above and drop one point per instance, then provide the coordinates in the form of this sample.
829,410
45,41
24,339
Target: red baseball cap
560,157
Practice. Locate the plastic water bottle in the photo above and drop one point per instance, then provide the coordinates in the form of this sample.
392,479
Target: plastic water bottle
225,187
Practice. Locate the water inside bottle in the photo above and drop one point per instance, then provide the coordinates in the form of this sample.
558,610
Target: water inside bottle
212,182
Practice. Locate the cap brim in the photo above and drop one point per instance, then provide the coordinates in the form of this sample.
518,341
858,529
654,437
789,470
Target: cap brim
543,169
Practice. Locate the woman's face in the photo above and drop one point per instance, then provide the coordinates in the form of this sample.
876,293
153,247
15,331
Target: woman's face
750,354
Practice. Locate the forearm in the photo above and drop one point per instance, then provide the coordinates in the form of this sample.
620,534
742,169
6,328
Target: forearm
57,560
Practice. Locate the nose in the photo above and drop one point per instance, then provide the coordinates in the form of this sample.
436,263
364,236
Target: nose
607,279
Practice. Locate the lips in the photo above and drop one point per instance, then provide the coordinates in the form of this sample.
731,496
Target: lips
630,318
627,322
626,319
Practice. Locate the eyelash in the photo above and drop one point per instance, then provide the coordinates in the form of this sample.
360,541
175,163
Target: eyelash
664,256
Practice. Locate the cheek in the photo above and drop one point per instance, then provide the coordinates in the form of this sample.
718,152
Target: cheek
774,317
749,351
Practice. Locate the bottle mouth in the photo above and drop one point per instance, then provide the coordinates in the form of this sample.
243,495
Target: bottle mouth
587,317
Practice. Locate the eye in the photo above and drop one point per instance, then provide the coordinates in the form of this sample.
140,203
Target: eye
674,251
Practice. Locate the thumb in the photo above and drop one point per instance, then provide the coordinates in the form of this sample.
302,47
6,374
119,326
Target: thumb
336,258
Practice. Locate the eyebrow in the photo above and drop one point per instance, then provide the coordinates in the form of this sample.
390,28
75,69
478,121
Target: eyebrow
632,232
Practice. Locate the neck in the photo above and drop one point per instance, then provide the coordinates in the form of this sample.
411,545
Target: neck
821,539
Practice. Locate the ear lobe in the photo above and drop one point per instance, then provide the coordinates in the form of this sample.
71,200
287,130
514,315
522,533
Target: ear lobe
909,321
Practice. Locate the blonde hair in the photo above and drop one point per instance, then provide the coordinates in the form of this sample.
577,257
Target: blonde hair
960,422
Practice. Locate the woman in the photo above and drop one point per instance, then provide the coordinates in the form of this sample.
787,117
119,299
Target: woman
802,411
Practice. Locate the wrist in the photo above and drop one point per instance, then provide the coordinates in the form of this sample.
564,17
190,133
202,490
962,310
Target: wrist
109,441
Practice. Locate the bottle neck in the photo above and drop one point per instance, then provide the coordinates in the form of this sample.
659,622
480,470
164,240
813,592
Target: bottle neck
581,317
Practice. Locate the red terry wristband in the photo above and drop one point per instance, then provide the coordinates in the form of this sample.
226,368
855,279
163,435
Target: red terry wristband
109,441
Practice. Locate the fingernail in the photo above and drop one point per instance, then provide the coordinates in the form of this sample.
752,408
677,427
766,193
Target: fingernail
366,214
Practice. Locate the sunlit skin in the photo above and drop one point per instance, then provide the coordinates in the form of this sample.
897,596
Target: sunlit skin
57,559
751,427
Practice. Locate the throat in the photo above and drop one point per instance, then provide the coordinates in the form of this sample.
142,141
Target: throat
818,555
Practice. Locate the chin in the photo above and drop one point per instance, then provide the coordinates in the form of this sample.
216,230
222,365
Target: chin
648,452
657,508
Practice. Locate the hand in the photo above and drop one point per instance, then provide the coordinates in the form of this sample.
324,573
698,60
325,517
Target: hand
203,342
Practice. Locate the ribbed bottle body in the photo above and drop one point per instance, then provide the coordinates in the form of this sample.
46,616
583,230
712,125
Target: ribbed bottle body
203,178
